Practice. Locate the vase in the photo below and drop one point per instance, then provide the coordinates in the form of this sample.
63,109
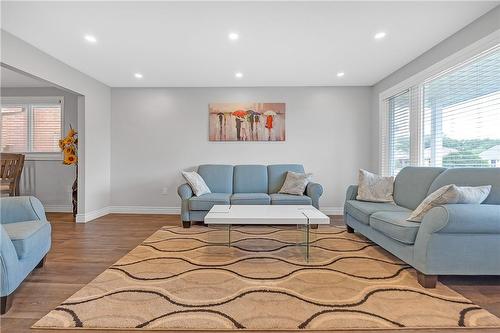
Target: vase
74,195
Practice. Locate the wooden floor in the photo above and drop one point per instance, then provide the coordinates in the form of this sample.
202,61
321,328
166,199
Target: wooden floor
82,251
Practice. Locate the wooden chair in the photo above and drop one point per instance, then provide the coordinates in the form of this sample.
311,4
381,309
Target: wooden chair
10,173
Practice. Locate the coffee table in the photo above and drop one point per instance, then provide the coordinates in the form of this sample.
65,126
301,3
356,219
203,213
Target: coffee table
267,215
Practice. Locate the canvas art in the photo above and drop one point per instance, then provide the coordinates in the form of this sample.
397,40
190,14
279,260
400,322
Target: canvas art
246,121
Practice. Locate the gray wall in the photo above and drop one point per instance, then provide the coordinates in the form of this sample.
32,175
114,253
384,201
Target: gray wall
157,132
50,181
94,101
480,28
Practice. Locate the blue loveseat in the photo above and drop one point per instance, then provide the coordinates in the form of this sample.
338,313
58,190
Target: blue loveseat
26,240
454,239
243,185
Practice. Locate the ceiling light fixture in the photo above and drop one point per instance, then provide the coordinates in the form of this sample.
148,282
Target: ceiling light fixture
90,39
340,74
380,35
233,36
138,75
238,75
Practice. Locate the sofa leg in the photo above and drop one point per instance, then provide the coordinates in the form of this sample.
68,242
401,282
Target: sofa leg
427,281
186,224
42,262
5,304
350,230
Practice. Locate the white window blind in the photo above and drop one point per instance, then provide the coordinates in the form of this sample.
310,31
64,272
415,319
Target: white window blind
30,126
398,132
461,115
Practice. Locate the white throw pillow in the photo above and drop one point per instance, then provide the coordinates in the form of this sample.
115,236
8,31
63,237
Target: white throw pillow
473,194
375,188
197,183
295,183
450,194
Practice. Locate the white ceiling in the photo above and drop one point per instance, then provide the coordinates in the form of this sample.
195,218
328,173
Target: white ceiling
185,44
12,79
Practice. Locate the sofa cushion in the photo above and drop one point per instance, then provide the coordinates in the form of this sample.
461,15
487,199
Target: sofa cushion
471,177
250,179
250,199
362,210
28,237
395,226
218,177
277,173
207,201
412,184
289,199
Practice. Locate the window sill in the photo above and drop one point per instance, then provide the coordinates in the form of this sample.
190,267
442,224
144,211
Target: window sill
43,156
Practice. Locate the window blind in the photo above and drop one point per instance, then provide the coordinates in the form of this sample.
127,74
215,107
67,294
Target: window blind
14,129
398,133
461,115
46,128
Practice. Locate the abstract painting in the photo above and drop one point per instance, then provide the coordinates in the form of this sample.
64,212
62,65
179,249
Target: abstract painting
246,121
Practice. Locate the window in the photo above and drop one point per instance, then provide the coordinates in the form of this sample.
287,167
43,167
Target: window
449,120
31,125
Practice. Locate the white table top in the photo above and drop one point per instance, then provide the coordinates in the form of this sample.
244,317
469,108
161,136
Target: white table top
265,214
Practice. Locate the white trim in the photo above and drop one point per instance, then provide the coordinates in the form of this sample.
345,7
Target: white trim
145,210
332,210
87,217
58,208
83,218
44,156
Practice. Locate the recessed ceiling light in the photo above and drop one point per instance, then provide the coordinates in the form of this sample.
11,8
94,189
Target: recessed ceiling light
238,75
340,74
138,75
380,35
233,36
90,39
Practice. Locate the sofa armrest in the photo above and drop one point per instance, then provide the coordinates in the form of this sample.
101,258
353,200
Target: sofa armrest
8,263
351,193
314,191
462,219
20,209
185,191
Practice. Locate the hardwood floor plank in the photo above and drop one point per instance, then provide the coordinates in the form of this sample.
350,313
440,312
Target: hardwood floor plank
80,252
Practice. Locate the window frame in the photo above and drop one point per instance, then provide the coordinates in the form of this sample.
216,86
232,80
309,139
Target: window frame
415,84
28,102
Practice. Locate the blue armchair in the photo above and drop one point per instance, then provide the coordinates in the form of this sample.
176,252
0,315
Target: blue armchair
25,241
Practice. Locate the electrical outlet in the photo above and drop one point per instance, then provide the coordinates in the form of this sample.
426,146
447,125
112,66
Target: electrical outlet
164,191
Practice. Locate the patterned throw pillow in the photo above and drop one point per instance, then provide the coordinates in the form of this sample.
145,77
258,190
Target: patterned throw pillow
196,182
295,183
450,194
374,188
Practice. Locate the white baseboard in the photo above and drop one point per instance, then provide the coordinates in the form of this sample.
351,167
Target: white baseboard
58,208
332,210
145,210
87,217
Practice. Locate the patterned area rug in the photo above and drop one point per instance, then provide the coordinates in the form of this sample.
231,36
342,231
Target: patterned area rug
190,279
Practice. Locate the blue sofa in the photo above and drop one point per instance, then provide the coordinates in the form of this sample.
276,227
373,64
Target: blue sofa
243,185
454,239
26,239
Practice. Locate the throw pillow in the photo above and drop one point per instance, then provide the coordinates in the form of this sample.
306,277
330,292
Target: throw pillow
375,188
295,183
450,194
473,194
196,182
